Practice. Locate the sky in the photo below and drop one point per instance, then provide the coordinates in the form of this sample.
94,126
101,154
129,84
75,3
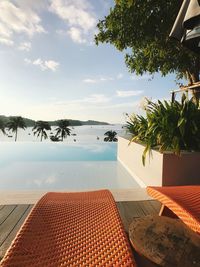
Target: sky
51,68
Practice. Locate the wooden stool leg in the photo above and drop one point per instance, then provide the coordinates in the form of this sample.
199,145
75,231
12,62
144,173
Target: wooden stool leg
165,211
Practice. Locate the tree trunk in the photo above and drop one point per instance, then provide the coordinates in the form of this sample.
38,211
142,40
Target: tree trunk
16,135
195,91
41,137
193,77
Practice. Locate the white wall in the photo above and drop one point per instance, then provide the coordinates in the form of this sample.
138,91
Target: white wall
130,155
160,169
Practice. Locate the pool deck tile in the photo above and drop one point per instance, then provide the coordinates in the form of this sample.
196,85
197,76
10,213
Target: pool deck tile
31,197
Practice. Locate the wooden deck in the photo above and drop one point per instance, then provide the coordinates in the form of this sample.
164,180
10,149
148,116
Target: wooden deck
13,216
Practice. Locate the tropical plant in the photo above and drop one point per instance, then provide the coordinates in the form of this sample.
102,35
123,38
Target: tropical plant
110,136
141,29
63,130
15,123
168,126
2,126
40,129
137,125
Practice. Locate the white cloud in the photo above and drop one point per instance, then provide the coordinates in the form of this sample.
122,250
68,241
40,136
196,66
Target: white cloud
97,80
96,99
6,41
102,78
43,64
79,17
123,105
105,79
129,93
17,20
25,46
51,64
30,4
91,99
27,61
76,35
88,80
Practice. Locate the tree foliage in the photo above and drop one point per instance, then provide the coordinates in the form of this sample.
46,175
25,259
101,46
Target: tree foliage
111,136
63,130
141,29
14,123
40,129
2,126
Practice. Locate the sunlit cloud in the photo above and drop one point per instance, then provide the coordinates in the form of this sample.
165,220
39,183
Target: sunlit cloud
91,99
25,46
78,16
125,105
43,64
129,93
98,80
6,41
88,80
14,19
76,35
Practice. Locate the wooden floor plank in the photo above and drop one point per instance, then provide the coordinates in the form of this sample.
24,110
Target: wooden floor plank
7,226
2,206
156,204
127,212
149,207
5,212
130,210
10,237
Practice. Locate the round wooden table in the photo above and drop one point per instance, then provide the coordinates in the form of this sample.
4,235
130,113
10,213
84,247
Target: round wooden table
165,241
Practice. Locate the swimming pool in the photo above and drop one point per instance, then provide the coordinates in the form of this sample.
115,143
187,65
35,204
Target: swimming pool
58,166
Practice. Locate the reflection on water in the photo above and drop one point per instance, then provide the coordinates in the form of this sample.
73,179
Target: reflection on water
65,175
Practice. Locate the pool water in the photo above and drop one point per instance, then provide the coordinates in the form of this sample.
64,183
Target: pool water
59,166
25,151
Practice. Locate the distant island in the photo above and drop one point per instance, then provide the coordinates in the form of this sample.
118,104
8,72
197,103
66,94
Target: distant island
31,123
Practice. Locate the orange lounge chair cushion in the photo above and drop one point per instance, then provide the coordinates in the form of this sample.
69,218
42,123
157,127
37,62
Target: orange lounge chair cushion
71,229
184,201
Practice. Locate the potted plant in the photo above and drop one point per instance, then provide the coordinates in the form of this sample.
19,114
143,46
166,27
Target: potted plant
170,135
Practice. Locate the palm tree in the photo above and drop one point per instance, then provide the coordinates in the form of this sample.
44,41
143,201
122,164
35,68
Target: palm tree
40,129
15,123
110,136
63,130
2,126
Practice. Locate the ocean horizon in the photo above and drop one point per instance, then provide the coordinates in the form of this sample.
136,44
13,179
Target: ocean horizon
84,133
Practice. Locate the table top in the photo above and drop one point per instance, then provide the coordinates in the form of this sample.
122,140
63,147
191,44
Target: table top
165,241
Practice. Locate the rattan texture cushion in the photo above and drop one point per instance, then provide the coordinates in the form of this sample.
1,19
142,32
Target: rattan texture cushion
71,229
184,201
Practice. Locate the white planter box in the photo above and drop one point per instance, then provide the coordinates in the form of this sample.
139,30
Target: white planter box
161,169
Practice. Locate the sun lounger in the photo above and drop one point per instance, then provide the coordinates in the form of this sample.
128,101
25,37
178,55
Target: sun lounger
184,201
71,229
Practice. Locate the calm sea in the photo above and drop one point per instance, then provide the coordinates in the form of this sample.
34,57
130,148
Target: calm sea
91,134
